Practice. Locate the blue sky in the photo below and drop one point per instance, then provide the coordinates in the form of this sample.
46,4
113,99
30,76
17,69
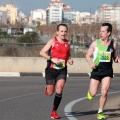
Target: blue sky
79,5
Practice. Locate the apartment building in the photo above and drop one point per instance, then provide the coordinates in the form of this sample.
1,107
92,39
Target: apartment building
3,17
85,18
54,12
69,15
38,15
109,13
11,12
22,18
58,11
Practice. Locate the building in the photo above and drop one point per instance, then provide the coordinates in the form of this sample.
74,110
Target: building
109,13
3,17
69,14
11,12
38,15
54,11
85,18
22,18
57,11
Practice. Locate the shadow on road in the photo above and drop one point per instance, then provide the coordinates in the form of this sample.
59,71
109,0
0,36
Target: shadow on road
110,113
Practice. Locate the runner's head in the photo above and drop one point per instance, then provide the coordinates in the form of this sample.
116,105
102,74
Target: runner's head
105,31
62,30
58,26
109,27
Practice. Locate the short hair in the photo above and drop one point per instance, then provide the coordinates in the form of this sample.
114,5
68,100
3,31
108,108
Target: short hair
109,27
62,25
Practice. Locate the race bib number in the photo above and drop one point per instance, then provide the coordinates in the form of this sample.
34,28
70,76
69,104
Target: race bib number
59,66
104,56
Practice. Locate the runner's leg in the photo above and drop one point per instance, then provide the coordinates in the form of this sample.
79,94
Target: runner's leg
104,90
93,87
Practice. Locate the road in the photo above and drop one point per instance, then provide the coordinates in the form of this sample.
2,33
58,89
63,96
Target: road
22,98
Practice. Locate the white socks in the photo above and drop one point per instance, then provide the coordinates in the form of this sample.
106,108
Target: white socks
100,110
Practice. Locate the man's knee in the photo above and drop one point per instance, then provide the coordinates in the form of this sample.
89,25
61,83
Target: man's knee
59,89
104,92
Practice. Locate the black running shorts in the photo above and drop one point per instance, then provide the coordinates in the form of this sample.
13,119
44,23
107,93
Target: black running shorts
53,75
99,74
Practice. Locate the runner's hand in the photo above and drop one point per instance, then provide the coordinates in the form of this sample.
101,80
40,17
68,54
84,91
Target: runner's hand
56,61
92,65
70,61
118,60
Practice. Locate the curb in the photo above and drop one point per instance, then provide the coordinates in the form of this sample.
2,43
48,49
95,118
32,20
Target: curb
116,74
78,74
9,74
18,74
30,74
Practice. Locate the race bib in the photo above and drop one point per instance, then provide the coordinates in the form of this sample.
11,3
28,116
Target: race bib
59,66
104,56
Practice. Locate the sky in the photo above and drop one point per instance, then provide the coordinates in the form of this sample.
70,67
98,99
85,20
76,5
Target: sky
78,5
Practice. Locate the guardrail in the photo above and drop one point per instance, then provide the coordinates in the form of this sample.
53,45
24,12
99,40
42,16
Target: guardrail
32,49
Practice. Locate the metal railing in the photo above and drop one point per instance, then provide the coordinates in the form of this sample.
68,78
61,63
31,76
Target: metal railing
33,49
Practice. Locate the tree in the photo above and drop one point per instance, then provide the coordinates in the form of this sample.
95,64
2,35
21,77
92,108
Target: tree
29,37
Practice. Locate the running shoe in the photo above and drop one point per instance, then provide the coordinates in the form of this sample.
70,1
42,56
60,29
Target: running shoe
89,96
45,91
54,115
101,116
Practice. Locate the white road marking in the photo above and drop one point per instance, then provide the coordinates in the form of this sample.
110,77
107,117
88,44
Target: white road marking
68,107
10,74
18,97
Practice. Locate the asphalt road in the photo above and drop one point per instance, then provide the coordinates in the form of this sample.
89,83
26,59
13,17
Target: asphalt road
22,98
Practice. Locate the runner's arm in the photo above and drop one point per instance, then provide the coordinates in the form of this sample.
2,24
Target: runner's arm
69,60
89,54
46,48
90,51
116,57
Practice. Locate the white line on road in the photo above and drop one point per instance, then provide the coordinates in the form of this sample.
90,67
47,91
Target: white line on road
68,107
10,74
19,96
